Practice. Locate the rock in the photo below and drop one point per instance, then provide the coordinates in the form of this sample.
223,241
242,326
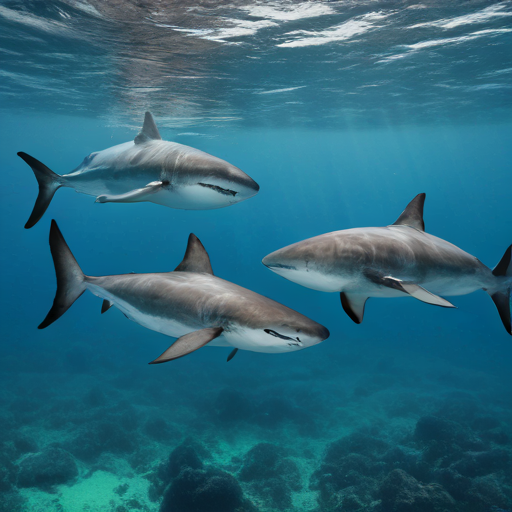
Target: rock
261,462
497,436
272,476
457,485
448,435
400,492
459,406
355,497
484,423
12,502
183,456
358,442
486,494
197,490
7,471
475,464
52,466
408,460
264,461
274,493
98,437
24,445
348,477
159,430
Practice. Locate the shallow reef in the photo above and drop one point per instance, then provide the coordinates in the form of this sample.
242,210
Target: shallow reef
375,439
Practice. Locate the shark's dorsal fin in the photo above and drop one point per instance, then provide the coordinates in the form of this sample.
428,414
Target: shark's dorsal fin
196,258
413,214
149,130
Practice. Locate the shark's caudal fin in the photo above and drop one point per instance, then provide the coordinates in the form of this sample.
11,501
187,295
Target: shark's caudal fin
70,278
501,297
48,181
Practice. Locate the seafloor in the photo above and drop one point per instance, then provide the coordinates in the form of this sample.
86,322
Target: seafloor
355,431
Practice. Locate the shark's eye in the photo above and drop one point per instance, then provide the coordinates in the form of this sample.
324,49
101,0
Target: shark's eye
277,335
218,189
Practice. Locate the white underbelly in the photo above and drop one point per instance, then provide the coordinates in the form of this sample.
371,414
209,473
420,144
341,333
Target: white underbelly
312,279
97,187
255,340
191,197
167,326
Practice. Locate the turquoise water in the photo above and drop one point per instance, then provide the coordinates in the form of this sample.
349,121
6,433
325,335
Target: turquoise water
342,113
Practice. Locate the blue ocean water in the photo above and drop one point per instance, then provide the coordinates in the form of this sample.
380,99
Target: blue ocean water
342,112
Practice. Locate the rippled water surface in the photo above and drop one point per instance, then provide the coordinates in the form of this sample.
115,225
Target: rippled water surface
327,64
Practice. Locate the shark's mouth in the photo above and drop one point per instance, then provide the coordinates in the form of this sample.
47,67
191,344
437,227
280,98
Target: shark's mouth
291,342
280,265
220,190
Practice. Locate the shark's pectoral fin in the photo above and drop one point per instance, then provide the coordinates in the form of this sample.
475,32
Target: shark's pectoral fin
412,289
353,304
106,305
134,196
418,292
232,354
189,343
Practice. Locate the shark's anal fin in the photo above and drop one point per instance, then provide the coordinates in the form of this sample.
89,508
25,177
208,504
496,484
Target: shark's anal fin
412,289
353,304
106,305
189,343
149,130
134,196
196,258
232,354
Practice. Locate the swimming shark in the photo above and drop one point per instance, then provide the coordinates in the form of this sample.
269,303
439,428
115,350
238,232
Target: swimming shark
190,304
393,261
147,169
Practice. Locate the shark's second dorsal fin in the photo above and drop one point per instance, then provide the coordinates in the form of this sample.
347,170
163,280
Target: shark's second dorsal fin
196,258
149,130
413,214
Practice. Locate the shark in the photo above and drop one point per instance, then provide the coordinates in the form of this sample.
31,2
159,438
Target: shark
189,303
399,260
147,169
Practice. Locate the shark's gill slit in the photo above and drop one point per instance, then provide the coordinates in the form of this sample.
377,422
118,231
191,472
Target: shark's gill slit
220,190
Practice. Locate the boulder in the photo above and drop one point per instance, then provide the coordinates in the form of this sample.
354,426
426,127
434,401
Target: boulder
52,466
197,490
400,492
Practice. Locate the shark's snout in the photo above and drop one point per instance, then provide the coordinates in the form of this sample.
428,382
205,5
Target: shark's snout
275,261
246,186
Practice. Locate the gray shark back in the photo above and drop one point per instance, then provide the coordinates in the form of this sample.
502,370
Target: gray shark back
200,298
393,261
148,169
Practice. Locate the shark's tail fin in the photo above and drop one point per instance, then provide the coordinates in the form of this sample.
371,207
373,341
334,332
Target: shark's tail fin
501,295
70,278
48,181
